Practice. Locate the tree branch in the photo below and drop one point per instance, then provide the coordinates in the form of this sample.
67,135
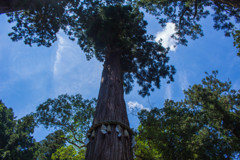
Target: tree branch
231,3
140,76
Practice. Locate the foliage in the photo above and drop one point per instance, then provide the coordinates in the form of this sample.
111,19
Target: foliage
7,124
49,145
42,27
16,140
236,36
68,153
144,150
206,125
188,14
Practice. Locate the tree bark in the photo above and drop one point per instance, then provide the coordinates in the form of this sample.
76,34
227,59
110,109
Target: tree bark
110,107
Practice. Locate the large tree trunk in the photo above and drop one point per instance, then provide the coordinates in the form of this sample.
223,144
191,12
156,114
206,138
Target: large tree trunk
110,107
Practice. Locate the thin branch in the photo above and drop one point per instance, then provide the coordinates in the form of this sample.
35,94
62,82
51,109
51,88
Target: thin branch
196,9
79,147
181,18
138,75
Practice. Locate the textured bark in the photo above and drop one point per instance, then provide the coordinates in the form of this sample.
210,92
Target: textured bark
110,107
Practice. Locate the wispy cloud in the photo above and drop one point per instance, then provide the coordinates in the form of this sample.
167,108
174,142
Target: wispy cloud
168,92
58,55
183,80
72,73
165,36
66,59
136,106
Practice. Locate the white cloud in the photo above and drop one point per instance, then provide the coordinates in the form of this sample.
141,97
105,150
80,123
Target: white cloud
66,58
165,36
136,105
58,55
183,80
168,92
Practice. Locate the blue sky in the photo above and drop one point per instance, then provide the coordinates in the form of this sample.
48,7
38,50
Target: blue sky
31,75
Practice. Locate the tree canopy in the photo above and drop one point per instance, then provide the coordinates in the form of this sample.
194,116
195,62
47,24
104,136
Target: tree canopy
205,125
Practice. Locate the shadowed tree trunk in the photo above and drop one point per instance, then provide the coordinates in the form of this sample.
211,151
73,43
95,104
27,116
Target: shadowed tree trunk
110,107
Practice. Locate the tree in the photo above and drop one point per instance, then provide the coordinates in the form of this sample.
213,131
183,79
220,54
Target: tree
113,32
205,125
16,140
72,115
187,15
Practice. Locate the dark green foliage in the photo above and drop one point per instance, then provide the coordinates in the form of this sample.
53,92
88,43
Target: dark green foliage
187,15
50,145
101,27
16,140
206,125
7,124
70,114
219,102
